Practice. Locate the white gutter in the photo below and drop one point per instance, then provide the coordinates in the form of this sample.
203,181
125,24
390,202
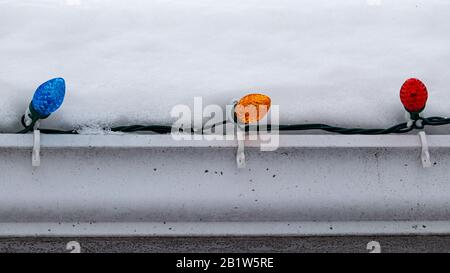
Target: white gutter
152,185
166,141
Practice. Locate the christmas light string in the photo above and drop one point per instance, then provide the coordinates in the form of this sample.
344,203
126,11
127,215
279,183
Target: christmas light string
413,94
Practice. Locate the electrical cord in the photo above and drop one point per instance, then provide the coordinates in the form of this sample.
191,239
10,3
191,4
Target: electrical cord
401,128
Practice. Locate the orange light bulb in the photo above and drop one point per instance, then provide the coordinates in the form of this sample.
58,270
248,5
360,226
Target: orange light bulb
252,108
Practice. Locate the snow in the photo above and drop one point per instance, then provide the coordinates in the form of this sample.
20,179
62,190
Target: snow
124,62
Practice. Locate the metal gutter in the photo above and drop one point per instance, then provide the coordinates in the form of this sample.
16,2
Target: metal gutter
152,185
164,141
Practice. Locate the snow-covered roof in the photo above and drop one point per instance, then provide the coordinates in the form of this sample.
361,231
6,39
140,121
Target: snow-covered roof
124,62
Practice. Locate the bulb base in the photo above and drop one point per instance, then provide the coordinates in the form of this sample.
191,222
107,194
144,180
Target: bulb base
31,116
414,115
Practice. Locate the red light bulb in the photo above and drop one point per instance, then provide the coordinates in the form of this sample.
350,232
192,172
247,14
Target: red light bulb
414,95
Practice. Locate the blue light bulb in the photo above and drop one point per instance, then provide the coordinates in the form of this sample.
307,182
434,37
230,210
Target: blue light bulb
48,97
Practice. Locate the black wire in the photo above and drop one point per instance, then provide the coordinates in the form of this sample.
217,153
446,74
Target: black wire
165,129
160,129
60,132
436,121
397,129
28,128
214,126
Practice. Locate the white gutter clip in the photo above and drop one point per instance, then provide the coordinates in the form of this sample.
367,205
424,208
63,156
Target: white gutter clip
425,156
36,155
240,154
240,135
